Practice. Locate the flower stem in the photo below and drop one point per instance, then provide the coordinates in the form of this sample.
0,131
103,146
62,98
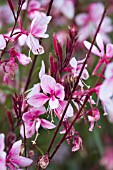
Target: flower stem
78,78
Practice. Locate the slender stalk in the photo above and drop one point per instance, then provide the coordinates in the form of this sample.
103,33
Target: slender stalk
35,57
78,78
63,138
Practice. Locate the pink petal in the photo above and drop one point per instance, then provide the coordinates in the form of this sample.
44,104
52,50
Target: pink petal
34,112
42,70
2,42
2,145
22,161
46,124
48,84
23,59
38,100
34,90
109,50
53,103
34,45
39,26
94,48
29,129
59,91
15,150
100,43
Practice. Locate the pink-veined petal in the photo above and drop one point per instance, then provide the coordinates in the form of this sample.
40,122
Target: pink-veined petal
32,113
109,50
42,70
2,42
100,43
59,91
34,90
34,45
29,129
22,161
46,124
53,103
94,48
23,59
39,26
48,84
15,150
38,100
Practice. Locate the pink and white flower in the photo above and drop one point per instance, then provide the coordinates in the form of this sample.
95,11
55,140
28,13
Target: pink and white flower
14,160
33,122
88,22
76,67
52,91
104,56
37,30
93,116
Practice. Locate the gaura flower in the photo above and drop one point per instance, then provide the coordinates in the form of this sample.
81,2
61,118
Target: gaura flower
52,91
33,122
104,56
88,22
37,30
14,160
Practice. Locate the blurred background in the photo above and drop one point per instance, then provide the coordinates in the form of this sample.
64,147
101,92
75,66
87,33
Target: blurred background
97,151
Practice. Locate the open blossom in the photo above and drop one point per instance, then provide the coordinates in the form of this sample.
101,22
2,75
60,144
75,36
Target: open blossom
37,30
104,56
52,91
2,153
93,116
106,91
33,122
76,67
88,22
14,160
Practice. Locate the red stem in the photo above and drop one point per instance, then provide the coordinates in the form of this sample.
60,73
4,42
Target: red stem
78,78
